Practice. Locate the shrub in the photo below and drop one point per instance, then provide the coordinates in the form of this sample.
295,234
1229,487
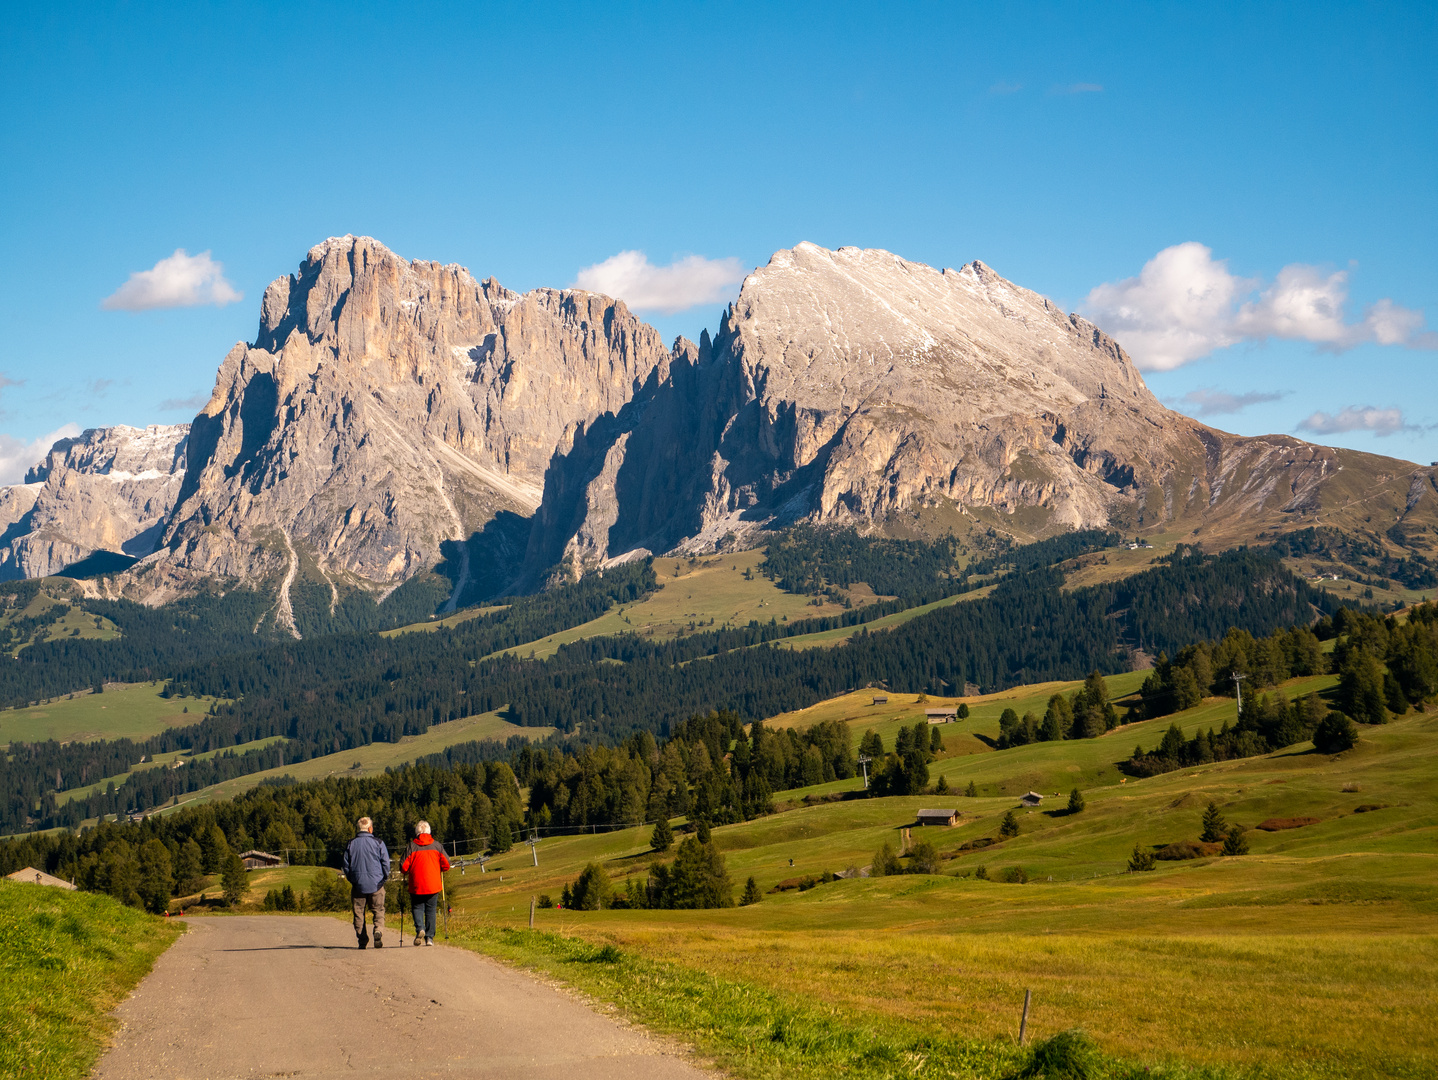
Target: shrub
963,712
982,873
328,892
545,900
1334,734
1140,860
1009,827
752,895
1275,824
923,859
1186,849
1015,875
885,862
1069,1055
1076,803
1235,843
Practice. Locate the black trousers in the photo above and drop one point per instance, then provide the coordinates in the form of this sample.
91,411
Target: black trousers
424,908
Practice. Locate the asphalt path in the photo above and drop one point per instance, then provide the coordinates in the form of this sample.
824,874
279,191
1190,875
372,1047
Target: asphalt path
289,996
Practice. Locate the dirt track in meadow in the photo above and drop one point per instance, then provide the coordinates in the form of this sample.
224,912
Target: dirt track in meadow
269,996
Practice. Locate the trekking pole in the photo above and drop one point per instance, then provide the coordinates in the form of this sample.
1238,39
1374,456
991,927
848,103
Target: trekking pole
443,899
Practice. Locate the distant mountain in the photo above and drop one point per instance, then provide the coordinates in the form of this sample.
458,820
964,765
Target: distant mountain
107,489
849,386
394,416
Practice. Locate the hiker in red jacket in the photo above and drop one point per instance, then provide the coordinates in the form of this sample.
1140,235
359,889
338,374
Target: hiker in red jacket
424,862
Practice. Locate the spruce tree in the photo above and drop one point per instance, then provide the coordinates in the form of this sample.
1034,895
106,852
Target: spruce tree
1140,859
701,830
1009,826
1236,843
503,839
155,882
232,879
972,791
1214,826
662,838
942,787
1076,803
885,863
936,741
752,895
963,712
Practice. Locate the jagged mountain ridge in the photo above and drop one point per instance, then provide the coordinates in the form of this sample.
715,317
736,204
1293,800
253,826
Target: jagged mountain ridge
845,386
105,489
388,410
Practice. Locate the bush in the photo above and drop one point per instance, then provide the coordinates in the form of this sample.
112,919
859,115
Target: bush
923,859
1076,803
1334,734
1186,849
1140,860
1235,843
545,900
885,862
328,892
1015,875
1069,1055
981,873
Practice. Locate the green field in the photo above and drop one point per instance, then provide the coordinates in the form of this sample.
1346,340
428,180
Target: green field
702,590
1314,955
67,959
374,758
133,711
74,623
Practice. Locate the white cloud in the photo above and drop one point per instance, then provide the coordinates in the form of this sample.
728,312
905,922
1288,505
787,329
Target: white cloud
1357,418
667,289
1210,402
16,455
1184,304
185,404
180,281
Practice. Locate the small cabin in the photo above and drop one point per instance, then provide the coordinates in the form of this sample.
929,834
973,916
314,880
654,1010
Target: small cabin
260,860
880,699
948,818
31,876
1033,798
944,714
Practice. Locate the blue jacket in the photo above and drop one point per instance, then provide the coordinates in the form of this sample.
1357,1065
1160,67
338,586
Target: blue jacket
366,864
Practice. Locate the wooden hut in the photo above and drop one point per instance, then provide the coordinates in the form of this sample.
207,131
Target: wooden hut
938,817
943,714
260,860
31,876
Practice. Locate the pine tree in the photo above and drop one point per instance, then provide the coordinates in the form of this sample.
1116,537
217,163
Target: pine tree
1235,843
1009,827
963,712
155,882
1214,826
701,830
752,895
942,787
503,839
1140,860
190,868
662,838
972,791
232,879
936,741
1076,803
885,863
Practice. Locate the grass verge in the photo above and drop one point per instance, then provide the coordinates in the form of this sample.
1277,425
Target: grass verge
754,1032
66,959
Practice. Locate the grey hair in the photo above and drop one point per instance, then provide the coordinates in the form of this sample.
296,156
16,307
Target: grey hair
422,827
365,824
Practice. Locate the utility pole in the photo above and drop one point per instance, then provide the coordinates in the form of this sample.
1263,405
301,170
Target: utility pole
1238,687
864,760
533,845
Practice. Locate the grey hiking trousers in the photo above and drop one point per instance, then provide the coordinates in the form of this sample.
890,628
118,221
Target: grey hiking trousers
375,900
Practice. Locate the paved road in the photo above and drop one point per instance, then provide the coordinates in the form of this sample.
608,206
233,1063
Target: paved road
292,997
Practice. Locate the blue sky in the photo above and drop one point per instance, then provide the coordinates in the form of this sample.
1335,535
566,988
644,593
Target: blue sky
1292,150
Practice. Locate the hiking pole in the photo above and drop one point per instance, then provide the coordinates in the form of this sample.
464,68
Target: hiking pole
443,899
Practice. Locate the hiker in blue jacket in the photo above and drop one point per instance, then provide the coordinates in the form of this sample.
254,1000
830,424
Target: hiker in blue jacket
366,865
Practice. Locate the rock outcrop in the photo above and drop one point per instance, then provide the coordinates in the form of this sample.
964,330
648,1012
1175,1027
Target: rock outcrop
107,489
845,386
385,408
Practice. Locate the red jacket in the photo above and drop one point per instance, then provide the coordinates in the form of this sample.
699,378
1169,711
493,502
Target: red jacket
424,861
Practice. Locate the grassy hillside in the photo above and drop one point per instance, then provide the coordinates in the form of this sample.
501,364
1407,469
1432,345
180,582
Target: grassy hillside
1314,955
133,711
48,615
693,592
66,959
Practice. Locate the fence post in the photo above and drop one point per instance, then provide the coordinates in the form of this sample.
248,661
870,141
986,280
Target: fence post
531,913
1024,1020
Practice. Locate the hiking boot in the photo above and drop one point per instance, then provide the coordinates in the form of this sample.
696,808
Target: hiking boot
419,939
378,941
363,940
429,941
